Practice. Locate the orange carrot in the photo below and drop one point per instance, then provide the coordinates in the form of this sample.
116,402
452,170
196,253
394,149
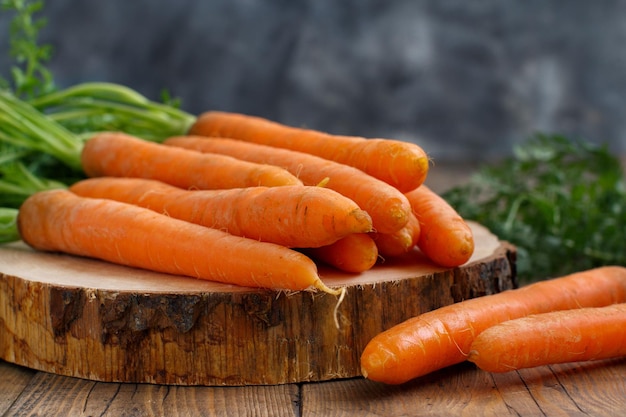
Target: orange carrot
445,237
293,216
122,155
443,337
61,221
398,243
581,334
354,253
401,164
388,207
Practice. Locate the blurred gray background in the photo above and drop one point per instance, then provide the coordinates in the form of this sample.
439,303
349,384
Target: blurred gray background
466,80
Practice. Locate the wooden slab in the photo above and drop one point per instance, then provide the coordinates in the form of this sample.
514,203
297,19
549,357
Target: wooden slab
90,319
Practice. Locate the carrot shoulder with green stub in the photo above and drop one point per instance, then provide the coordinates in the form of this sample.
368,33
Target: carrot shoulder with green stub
401,164
444,336
125,234
293,216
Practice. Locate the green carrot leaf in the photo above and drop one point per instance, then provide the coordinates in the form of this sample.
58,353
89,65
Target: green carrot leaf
561,202
30,76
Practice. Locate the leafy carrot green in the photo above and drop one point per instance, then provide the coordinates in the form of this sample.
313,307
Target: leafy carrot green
555,198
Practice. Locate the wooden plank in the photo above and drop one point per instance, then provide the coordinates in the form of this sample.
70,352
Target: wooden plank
574,389
52,395
579,389
457,390
13,380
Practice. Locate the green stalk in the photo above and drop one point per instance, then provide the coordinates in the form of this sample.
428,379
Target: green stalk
24,126
18,182
8,225
108,106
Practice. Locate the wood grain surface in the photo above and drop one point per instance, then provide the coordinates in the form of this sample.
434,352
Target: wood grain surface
578,389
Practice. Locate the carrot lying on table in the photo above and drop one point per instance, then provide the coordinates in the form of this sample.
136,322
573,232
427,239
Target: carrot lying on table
400,242
401,164
122,155
292,216
354,253
443,337
445,237
388,207
61,221
581,334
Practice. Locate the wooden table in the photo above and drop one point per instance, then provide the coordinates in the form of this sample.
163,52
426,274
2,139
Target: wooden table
579,389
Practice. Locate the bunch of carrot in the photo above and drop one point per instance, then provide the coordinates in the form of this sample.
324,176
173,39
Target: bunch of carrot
276,197
577,317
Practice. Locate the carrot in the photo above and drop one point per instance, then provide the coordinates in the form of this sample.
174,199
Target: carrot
60,221
398,243
122,155
443,337
388,207
582,334
401,164
293,216
445,237
354,253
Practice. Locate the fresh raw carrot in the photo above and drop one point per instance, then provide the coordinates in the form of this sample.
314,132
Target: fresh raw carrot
121,233
581,334
354,253
122,155
388,207
398,243
445,237
293,216
443,337
401,164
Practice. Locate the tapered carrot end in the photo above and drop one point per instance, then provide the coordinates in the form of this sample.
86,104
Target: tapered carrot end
360,221
379,364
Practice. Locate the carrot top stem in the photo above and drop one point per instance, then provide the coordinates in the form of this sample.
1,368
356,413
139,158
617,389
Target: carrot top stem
96,106
23,126
8,225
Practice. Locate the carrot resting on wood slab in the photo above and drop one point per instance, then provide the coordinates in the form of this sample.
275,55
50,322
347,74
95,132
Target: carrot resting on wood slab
388,207
125,234
444,336
445,237
581,334
400,242
293,216
354,253
401,164
122,155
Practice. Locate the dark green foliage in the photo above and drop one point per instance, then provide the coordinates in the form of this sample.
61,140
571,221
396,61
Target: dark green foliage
561,202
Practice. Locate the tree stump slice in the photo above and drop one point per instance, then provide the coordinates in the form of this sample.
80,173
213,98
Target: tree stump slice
85,318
